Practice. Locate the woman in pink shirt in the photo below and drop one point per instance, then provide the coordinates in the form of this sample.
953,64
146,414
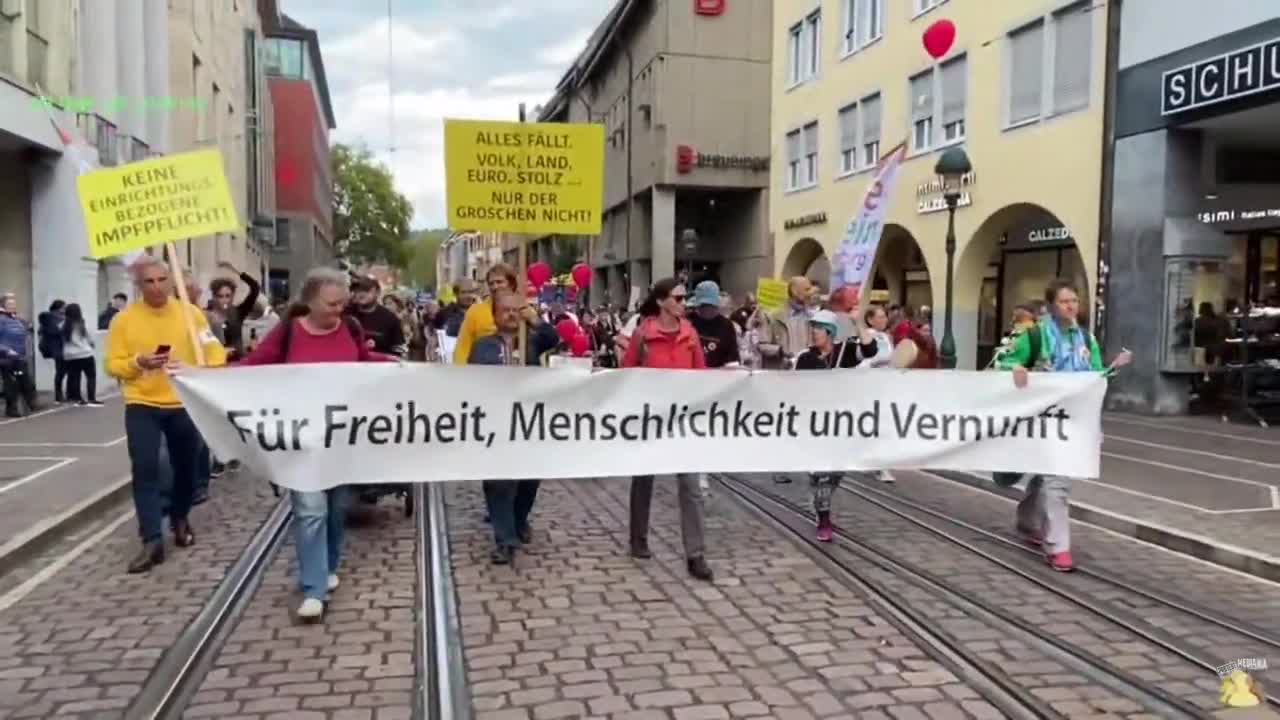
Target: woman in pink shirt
316,331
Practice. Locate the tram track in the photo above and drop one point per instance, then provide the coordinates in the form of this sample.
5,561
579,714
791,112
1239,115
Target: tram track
439,683
961,629
1249,640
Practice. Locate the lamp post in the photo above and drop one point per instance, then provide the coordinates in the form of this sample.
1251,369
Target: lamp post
689,237
951,169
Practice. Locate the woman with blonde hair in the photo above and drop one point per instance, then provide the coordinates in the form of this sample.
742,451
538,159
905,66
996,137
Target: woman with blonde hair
317,331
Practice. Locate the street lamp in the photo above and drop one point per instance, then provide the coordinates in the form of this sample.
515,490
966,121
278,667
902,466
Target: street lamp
689,237
951,169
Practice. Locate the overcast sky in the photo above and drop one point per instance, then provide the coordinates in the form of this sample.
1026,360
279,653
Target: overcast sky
452,58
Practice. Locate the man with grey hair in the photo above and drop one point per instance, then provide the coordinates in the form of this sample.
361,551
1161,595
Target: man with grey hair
148,340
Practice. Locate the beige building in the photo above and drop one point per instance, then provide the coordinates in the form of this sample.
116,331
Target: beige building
682,89
215,50
1022,90
469,255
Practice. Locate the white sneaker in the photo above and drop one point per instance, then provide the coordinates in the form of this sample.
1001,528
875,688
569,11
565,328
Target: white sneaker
333,583
886,477
310,609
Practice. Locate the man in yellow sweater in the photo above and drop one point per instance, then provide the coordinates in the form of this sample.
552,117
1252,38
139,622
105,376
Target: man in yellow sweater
147,341
478,322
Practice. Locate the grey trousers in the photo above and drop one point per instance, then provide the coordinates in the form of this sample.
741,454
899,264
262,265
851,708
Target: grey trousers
1045,508
692,513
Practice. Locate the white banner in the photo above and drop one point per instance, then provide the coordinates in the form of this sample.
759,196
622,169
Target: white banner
310,427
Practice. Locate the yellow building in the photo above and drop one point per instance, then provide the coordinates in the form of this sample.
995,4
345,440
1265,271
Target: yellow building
1021,89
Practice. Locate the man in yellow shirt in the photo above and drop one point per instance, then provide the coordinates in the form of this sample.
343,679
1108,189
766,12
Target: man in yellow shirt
146,342
478,321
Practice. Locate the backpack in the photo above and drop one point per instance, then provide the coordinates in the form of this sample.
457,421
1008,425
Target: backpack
353,327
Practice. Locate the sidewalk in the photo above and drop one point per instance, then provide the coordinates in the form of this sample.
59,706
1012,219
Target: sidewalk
56,466
1193,485
577,628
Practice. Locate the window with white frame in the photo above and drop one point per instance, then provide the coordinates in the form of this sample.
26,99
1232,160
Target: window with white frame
793,160
804,49
1072,51
1026,73
848,138
810,154
863,24
954,86
922,6
860,135
795,54
869,113
922,111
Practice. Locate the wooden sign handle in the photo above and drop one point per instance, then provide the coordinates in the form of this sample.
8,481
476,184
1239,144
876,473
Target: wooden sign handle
181,283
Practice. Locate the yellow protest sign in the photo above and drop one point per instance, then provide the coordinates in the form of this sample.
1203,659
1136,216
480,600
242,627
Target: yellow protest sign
530,178
146,203
771,294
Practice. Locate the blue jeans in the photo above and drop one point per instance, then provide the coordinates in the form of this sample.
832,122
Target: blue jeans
146,427
510,502
319,520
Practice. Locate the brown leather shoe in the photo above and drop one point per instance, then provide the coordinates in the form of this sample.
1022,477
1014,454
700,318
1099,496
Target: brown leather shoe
699,569
152,554
183,536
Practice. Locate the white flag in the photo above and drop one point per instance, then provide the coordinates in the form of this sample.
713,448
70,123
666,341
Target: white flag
862,236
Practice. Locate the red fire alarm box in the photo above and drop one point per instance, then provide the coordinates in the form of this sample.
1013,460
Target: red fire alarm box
708,7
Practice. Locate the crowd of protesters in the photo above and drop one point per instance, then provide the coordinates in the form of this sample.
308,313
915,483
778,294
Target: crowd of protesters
342,318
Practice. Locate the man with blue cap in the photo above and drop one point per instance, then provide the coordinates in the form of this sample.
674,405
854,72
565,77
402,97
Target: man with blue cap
718,334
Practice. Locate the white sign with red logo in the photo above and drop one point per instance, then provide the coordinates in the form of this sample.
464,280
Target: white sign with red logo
862,236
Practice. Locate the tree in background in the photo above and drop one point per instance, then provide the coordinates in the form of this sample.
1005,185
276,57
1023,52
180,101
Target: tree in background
370,218
424,246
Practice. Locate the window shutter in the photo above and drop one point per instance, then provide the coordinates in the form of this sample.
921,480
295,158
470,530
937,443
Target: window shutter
1026,67
793,146
1073,43
849,128
871,119
953,90
811,139
922,96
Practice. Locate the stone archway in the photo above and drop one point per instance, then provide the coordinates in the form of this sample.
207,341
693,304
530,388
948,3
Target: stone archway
807,258
1010,258
900,263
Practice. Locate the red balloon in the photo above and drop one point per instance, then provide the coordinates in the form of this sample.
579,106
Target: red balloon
539,274
939,37
581,275
567,329
580,345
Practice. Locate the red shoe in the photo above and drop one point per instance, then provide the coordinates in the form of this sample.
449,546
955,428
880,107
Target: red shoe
1061,562
1030,537
825,531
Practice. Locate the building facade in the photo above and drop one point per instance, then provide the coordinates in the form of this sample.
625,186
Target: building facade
303,179
99,66
451,261
682,88
1195,201
1022,90
216,86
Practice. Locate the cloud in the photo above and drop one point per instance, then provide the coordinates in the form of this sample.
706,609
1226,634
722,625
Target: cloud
566,51
476,59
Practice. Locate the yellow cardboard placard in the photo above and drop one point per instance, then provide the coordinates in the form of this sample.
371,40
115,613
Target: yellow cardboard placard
155,201
771,294
529,178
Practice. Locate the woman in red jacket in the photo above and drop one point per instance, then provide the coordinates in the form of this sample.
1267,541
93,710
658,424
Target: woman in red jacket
316,331
665,339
